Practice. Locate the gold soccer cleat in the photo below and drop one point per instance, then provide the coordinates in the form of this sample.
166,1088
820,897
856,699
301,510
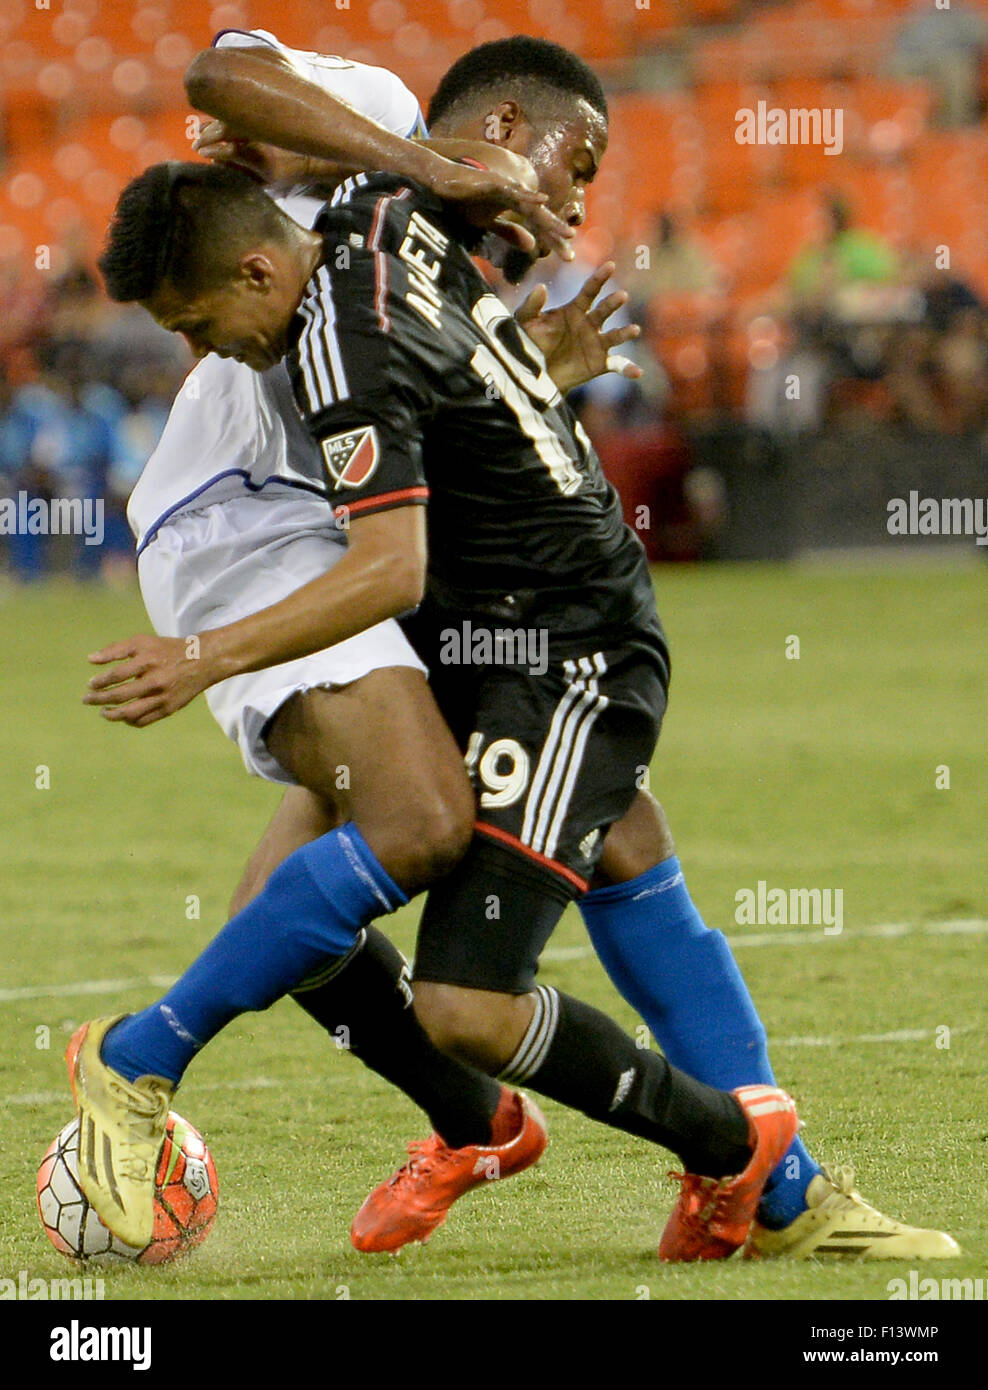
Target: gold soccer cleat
121,1132
839,1223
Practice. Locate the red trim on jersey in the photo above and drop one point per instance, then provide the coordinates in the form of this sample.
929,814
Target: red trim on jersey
474,163
377,222
496,833
385,499
381,286
381,277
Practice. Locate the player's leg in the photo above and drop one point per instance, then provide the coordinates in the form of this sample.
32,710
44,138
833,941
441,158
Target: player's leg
682,978
211,567
380,751
573,1053
308,918
416,806
587,1058
366,998
475,995
314,906
302,816
555,759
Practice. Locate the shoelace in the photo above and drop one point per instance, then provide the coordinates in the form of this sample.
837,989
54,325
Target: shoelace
843,1179
713,1207
425,1153
146,1114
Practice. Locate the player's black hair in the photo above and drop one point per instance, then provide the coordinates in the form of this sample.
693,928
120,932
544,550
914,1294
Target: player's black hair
184,225
532,63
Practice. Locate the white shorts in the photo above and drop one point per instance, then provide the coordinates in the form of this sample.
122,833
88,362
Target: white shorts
209,567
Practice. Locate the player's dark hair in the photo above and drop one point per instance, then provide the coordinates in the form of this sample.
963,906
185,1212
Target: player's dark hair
184,225
533,64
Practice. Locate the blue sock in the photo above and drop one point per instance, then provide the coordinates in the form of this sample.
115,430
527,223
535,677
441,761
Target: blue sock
311,909
683,980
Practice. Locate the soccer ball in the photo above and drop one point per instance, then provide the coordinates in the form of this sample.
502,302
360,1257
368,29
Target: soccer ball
184,1208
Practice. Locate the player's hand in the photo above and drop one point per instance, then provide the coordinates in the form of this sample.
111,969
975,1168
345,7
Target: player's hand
493,200
147,678
572,339
220,144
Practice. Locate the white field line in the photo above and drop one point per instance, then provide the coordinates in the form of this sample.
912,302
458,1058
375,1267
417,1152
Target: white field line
968,926
77,987
965,926
267,1083
899,1035
252,1083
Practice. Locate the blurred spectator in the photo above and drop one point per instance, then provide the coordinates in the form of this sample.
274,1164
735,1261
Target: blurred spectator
69,446
826,274
946,47
23,318
961,356
676,263
789,395
945,293
85,389
131,341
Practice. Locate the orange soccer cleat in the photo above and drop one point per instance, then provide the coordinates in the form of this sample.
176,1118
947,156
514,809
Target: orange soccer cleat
712,1217
414,1202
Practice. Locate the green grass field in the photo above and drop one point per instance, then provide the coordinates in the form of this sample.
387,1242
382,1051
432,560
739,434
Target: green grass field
811,772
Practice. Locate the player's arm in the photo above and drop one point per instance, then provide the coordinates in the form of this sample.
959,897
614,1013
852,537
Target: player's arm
381,576
259,97
256,93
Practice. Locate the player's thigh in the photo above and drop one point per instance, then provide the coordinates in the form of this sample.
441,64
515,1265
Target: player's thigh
555,758
635,843
302,816
558,758
380,751
485,924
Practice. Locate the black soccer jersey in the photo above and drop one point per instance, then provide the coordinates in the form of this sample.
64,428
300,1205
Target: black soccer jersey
421,388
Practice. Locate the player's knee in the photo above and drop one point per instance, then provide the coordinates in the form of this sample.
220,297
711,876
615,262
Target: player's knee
637,842
429,835
444,830
460,1026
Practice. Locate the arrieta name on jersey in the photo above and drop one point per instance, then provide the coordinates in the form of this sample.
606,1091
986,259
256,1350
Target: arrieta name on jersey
423,251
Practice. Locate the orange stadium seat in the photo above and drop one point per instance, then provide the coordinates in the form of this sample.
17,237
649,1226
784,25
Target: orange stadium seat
638,25
745,54
95,134
709,11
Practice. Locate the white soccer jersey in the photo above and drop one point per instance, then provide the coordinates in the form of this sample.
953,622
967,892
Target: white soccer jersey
233,431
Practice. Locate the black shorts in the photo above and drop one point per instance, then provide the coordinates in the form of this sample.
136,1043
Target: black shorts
556,756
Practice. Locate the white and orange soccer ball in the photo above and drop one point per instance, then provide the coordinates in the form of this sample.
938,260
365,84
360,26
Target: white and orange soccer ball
186,1194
